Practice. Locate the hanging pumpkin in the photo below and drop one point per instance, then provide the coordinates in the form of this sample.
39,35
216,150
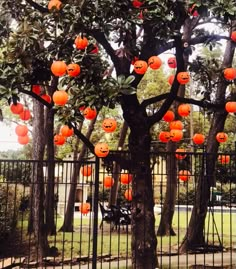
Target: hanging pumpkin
183,77
176,135
184,110
184,175
81,42
66,131
230,73
86,170
21,130
128,194
233,36
59,140
23,140
58,68
140,67
25,114
164,136
176,124
101,150
180,154
171,79
172,62
169,116
230,107
56,4
16,108
90,113
73,70
198,139
126,178
221,137
154,62
60,98
108,182
109,125
224,159
137,4
84,208
36,89
46,97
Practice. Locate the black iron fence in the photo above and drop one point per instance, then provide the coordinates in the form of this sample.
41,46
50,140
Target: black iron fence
99,233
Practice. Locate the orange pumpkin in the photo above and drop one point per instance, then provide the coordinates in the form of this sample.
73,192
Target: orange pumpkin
81,42
89,113
176,135
164,136
169,116
84,208
230,107
128,194
46,97
23,140
59,140
171,79
86,170
73,70
154,62
134,60
176,124
36,89
25,114
137,4
16,108
198,139
108,182
172,62
101,150
224,159
221,137
180,154
60,98
56,4
66,131
183,77
233,36
109,125
58,68
140,67
184,175
184,110
21,130
230,73
126,178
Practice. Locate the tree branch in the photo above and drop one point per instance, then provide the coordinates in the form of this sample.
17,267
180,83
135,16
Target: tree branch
209,38
37,6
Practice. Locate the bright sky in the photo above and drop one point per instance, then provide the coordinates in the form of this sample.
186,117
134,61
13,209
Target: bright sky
8,138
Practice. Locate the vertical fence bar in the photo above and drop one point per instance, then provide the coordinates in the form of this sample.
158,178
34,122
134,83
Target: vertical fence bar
95,214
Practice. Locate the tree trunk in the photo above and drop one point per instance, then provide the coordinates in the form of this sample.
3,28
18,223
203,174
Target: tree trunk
195,233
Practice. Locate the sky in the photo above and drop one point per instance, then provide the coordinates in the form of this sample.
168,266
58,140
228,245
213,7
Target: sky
8,138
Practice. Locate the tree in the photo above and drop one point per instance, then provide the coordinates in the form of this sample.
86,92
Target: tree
42,37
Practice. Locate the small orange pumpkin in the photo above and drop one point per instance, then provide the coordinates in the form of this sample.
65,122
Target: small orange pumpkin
224,159
233,36
108,182
25,114
89,113
86,170
66,131
58,68
23,140
21,130
81,42
137,4
230,107
109,125
198,139
184,175
171,79
221,137
230,73
73,70
126,178
36,89
180,154
169,116
54,4
101,150
59,140
176,135
172,62
60,98
176,124
183,77
154,62
128,194
164,136
46,97
16,108
84,208
140,67
184,110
